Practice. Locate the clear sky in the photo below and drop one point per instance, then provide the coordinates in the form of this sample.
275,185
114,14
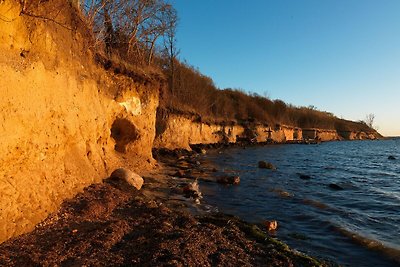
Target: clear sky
342,56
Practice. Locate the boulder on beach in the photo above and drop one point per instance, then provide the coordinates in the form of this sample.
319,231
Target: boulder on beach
235,180
392,157
266,165
130,177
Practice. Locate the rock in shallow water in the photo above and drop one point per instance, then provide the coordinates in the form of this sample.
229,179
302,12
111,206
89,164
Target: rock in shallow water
192,190
271,225
235,180
129,176
304,176
392,157
266,165
335,187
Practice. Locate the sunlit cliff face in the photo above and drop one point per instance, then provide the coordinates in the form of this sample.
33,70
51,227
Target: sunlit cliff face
132,105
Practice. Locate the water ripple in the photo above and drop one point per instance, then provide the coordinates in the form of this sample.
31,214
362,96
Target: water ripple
357,225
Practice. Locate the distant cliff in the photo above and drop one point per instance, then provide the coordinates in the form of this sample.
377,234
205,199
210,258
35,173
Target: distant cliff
179,130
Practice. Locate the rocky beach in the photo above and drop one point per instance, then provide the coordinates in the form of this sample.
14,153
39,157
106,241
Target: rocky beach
163,224
117,152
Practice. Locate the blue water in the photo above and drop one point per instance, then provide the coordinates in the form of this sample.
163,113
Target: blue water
356,226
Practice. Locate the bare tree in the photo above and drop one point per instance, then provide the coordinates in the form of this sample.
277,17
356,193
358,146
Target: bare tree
369,120
170,45
131,26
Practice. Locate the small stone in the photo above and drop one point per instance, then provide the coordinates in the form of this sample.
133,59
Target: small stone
129,176
266,165
285,194
214,170
192,190
304,176
335,187
271,225
234,180
74,231
152,204
180,174
391,157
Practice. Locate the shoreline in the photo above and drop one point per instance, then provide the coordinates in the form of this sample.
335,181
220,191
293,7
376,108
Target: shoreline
112,223
229,163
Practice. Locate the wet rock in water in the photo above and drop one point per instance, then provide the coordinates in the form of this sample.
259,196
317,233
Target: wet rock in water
266,165
284,194
335,187
235,180
304,176
192,190
392,157
271,225
130,177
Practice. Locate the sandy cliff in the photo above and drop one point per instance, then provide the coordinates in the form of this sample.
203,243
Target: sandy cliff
65,122
181,131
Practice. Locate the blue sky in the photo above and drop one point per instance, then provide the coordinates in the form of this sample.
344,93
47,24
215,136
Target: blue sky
342,56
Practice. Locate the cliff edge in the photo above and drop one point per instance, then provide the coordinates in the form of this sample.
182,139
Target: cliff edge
66,122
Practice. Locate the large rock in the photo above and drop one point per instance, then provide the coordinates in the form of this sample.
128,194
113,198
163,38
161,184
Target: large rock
130,177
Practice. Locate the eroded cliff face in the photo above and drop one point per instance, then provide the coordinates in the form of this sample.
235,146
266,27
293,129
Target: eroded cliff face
65,122
278,133
180,131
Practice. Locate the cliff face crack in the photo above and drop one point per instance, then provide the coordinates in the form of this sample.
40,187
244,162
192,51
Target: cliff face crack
123,132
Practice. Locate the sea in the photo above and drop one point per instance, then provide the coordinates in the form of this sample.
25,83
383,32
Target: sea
338,201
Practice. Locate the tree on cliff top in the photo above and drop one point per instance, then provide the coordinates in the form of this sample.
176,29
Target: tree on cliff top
130,28
369,121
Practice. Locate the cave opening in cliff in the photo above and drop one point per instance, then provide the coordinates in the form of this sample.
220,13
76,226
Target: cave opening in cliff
123,132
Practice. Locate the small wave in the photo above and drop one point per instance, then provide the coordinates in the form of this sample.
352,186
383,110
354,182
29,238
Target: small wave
330,168
392,253
388,194
316,204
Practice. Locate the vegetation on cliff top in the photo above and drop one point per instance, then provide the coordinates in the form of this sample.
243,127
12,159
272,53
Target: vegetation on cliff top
129,35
